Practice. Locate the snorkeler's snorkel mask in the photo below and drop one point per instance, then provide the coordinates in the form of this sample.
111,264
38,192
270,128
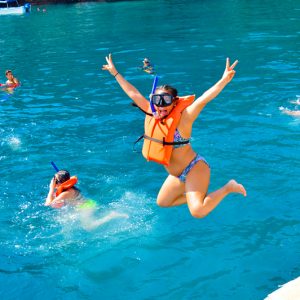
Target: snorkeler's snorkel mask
162,100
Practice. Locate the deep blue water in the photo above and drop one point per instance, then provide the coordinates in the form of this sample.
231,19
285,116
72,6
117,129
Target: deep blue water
69,111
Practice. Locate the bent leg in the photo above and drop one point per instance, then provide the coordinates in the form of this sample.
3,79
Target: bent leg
171,193
200,204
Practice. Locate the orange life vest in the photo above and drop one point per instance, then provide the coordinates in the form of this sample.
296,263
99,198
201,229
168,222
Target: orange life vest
10,85
159,134
13,85
66,185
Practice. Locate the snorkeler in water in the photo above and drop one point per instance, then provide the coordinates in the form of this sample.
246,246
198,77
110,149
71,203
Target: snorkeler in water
147,66
11,82
168,128
62,192
290,112
294,113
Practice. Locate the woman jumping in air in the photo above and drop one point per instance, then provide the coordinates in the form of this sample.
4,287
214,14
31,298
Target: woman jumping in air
168,128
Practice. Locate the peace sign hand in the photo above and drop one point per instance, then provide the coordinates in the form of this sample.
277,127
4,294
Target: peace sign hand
229,71
110,67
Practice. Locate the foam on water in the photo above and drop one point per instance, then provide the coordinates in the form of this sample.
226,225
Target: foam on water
50,230
14,142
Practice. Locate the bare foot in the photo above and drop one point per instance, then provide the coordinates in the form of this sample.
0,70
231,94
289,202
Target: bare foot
234,187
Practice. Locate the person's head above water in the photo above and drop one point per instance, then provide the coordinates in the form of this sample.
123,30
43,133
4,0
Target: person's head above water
61,176
8,73
146,61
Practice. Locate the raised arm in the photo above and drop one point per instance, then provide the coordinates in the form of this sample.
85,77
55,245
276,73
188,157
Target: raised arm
16,81
192,112
51,195
127,87
52,200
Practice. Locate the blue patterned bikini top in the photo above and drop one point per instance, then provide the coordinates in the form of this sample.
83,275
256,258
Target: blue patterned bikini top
179,138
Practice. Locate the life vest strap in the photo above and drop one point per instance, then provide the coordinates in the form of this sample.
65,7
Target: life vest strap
153,139
133,148
163,141
176,143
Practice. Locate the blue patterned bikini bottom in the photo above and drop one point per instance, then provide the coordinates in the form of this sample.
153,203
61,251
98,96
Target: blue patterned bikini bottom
182,176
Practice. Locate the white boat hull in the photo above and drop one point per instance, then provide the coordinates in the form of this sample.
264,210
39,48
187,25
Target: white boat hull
12,10
289,291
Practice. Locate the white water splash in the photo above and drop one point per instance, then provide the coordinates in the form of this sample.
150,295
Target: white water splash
14,143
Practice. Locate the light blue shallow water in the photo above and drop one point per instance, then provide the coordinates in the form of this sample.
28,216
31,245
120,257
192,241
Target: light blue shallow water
71,112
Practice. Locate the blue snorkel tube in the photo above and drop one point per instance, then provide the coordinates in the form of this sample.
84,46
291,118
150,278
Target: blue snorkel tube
152,92
54,166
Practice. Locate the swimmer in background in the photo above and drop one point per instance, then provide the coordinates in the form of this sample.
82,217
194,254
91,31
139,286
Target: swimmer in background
297,102
294,113
11,82
62,192
147,67
10,85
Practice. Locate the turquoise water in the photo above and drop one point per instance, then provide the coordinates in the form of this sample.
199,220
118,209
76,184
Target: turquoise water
69,111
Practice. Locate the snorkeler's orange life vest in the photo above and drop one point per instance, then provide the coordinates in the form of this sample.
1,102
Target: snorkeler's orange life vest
159,134
13,85
66,185
10,85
